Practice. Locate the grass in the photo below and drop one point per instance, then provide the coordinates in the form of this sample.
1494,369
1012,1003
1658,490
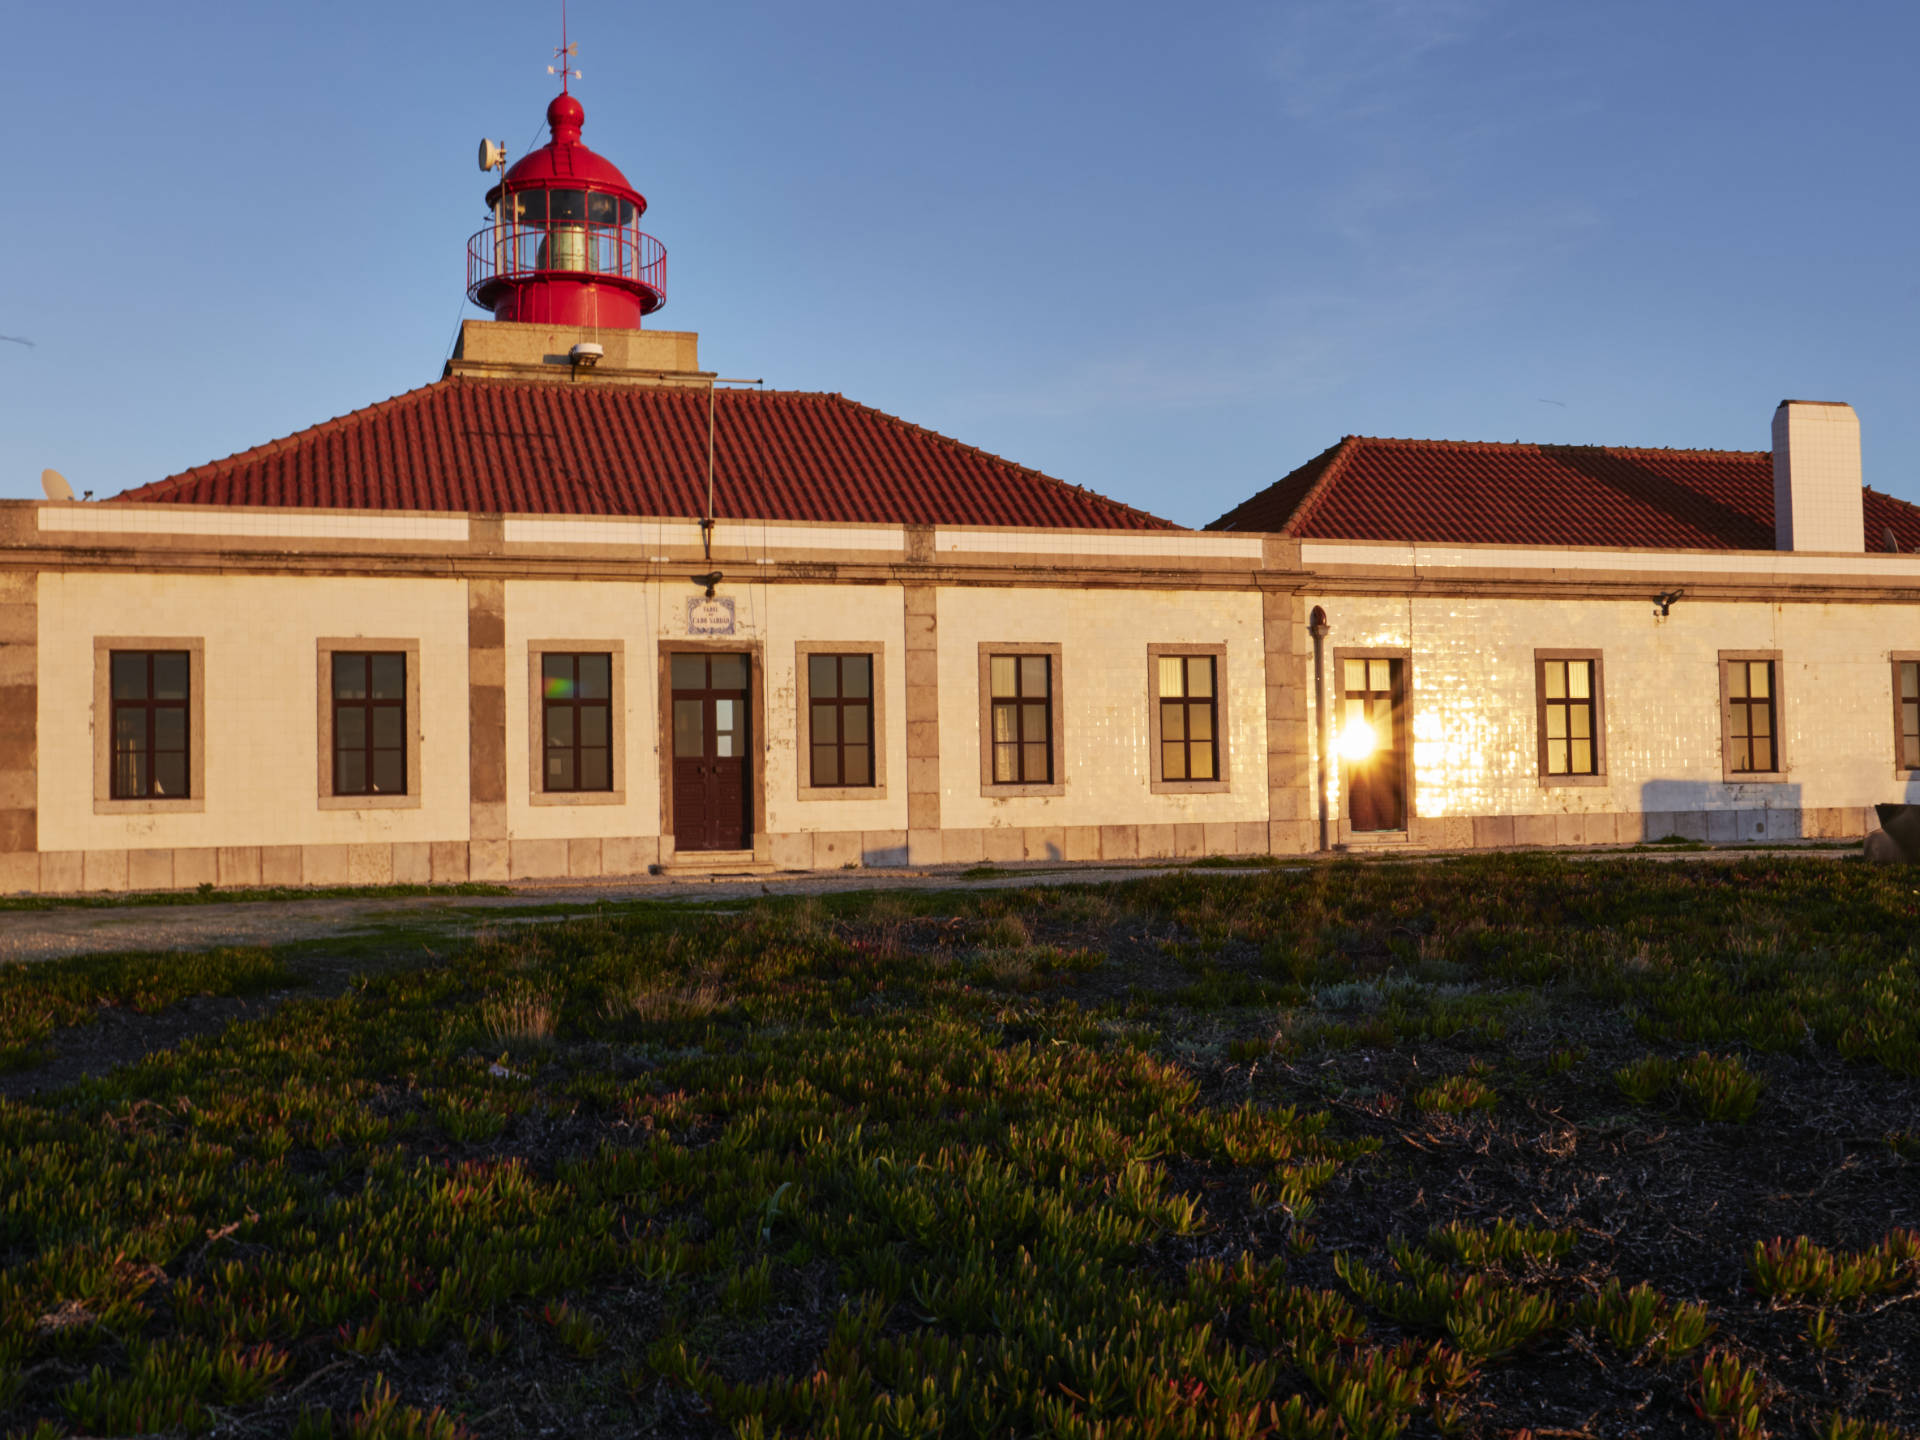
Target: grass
1348,1150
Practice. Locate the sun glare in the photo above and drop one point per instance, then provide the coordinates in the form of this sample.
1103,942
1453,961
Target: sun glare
1357,739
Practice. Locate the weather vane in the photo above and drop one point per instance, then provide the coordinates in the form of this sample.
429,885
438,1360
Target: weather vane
564,54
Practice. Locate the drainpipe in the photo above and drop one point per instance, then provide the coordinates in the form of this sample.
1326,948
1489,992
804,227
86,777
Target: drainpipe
1317,627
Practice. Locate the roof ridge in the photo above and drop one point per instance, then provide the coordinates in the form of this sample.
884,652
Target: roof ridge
1417,441
1321,484
305,436
1000,460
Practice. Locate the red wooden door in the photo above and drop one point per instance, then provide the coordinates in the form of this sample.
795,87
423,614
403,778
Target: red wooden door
712,779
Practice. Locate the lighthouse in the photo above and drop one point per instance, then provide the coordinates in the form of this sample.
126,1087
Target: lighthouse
563,245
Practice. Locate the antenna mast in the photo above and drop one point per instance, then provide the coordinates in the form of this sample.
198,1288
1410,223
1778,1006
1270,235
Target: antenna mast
567,53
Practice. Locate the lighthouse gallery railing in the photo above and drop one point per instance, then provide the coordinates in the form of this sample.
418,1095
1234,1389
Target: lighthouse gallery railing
511,251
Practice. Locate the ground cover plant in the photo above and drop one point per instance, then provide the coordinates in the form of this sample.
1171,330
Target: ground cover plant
1482,1147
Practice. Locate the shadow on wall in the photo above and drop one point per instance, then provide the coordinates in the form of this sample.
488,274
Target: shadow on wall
1698,810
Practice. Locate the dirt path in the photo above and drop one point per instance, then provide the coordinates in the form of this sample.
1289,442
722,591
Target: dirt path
50,934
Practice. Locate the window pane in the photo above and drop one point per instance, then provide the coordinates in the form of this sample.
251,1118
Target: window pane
1034,677
170,675
1173,760
1202,762
1556,722
1555,672
130,774
1582,718
350,772
567,204
1582,757
855,725
389,728
826,724
857,769
130,728
388,767
729,672
1762,719
1003,723
1741,720
1173,720
1200,722
592,720
560,770
1379,674
170,727
350,727
689,673
389,677
596,677
1580,679
1737,681
826,765
1003,762
1556,757
1005,668
856,675
1033,722
689,724
1200,677
1035,757
1762,681
129,674
596,769
1909,680
603,209
349,676
528,205
726,735
823,676
1356,676
560,725
1173,677
556,677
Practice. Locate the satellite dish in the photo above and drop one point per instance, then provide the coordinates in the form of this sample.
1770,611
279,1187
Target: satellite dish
55,484
492,153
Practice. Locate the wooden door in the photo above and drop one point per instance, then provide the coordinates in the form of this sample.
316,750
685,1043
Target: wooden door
712,774
1373,743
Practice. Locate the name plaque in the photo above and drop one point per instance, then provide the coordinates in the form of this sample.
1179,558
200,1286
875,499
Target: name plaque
710,617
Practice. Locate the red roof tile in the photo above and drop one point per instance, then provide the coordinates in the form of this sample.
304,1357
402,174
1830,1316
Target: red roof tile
1465,493
555,448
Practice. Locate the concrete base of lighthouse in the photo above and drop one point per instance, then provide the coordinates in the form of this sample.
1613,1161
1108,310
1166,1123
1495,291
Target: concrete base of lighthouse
504,350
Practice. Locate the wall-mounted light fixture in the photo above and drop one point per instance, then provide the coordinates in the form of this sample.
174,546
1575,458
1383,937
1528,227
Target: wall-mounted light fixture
710,579
1666,598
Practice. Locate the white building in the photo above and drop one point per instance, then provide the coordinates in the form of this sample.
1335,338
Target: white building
579,608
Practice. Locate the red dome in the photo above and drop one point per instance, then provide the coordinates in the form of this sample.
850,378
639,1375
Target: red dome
564,161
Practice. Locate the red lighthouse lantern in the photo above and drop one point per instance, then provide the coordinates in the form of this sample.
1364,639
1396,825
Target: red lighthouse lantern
565,246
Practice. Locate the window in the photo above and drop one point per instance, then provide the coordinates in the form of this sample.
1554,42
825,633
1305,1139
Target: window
841,717
1906,711
840,725
1751,742
1571,716
1022,719
576,697
369,723
151,724
1186,698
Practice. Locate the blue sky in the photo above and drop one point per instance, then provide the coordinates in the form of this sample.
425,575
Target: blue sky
1165,252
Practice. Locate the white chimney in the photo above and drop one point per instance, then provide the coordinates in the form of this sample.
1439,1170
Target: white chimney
1816,477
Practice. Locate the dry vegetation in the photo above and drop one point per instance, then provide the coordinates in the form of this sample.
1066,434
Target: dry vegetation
1493,1146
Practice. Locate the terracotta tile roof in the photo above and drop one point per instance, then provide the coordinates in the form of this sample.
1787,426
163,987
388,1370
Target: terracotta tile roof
1465,493
557,448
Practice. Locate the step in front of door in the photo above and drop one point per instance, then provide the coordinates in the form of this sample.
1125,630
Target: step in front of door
711,862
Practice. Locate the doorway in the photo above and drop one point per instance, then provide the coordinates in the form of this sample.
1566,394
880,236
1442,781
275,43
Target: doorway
712,771
1373,742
